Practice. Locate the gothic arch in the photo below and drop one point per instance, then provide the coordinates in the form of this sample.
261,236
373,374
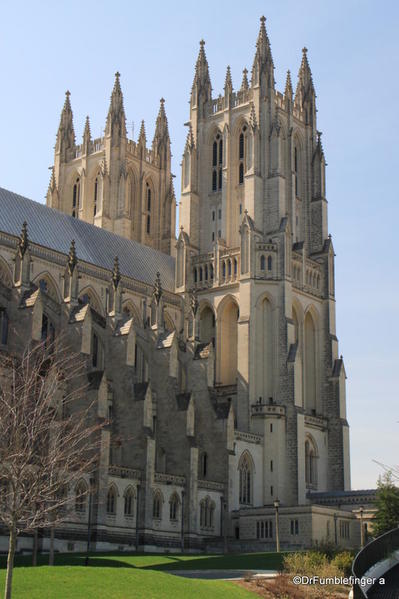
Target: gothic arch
5,273
246,469
227,334
310,347
264,344
311,459
88,295
157,503
112,499
129,309
207,322
149,205
129,497
47,285
168,321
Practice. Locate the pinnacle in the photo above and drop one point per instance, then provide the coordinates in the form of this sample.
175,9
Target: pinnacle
116,275
288,86
228,82
244,84
142,135
87,133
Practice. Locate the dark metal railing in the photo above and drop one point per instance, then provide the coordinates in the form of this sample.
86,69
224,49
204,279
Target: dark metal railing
376,551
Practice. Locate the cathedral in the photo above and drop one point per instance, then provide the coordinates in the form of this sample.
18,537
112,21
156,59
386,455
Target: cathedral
214,355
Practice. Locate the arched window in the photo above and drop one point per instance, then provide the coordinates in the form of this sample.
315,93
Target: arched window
148,196
97,352
207,513
235,266
269,263
173,507
76,197
48,330
229,268
157,505
111,500
310,464
241,173
203,464
224,269
262,263
217,163
296,170
241,154
195,276
129,502
245,469
81,497
95,196
3,326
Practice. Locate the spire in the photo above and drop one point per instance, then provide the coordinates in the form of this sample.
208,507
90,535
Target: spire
86,136
161,135
201,89
142,136
72,258
116,274
23,241
305,95
244,83
288,87
263,61
116,119
65,143
228,84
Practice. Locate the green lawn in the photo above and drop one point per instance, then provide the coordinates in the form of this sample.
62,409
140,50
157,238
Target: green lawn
121,576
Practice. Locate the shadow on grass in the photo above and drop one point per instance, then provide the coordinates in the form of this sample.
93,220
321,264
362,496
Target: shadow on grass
247,561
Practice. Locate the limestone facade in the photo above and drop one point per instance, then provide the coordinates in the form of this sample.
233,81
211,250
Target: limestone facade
225,389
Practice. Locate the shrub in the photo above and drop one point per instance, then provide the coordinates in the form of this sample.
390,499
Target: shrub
308,563
343,561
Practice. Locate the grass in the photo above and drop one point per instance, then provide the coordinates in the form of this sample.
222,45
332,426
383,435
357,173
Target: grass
121,576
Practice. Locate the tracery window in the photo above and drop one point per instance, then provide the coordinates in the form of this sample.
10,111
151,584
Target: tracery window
173,507
81,497
129,502
310,464
203,464
245,481
157,505
207,513
95,196
241,154
217,163
111,501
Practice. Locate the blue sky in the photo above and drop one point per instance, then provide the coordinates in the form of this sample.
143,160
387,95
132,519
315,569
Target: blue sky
48,47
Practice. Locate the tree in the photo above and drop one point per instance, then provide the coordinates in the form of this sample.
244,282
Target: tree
49,439
387,515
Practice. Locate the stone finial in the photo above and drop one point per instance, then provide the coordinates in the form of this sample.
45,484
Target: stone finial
157,290
23,240
72,258
142,136
228,83
244,83
116,275
194,302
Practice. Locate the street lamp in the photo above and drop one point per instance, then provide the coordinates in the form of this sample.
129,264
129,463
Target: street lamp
91,489
276,506
335,529
182,522
361,511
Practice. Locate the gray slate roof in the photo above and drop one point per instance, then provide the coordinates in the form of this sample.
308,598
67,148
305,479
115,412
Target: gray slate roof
53,229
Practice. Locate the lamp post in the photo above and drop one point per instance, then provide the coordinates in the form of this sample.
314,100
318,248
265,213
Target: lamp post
276,506
182,522
361,511
137,517
89,520
335,529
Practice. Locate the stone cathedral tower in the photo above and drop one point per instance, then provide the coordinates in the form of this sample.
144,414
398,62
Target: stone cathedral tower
114,182
254,245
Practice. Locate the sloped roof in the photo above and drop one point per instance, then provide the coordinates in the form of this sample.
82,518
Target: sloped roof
55,230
